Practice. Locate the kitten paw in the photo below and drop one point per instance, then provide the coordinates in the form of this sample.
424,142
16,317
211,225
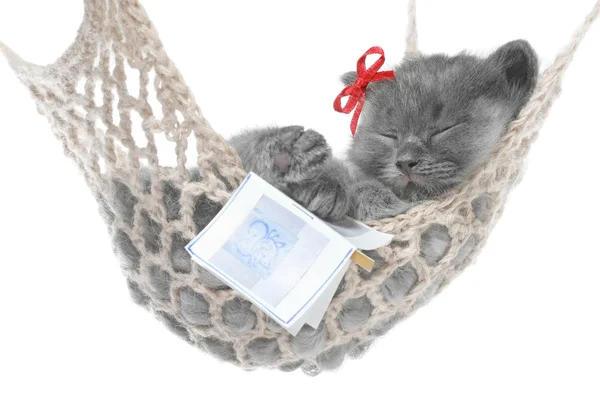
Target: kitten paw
300,154
326,197
371,201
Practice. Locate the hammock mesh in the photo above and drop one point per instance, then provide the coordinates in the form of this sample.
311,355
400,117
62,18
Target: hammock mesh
149,203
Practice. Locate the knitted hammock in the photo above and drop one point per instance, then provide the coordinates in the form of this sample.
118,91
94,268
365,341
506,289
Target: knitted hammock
95,113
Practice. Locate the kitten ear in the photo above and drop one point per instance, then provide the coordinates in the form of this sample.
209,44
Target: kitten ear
519,64
349,78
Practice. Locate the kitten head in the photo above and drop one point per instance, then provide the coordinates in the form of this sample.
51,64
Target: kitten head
427,130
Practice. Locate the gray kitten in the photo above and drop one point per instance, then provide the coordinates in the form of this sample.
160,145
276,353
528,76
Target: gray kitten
420,135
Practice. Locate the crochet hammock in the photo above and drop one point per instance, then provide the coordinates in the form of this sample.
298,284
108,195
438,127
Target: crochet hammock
86,97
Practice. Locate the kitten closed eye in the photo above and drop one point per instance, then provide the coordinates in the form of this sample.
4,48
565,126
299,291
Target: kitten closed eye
389,134
444,130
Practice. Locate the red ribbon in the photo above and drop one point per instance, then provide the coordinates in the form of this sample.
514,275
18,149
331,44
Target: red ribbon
357,91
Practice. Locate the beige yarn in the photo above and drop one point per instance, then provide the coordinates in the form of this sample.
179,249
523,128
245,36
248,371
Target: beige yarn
411,28
116,39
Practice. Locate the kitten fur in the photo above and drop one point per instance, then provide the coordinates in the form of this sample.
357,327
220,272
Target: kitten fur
420,135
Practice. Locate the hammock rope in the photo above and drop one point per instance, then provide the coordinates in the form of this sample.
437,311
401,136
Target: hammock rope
95,113
411,29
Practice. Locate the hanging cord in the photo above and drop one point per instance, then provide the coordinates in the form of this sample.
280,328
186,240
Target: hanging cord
411,30
14,60
566,56
549,85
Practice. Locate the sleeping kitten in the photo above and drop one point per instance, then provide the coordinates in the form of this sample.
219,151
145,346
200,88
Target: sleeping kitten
420,135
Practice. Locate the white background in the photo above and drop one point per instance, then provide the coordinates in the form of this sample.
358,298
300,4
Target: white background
520,324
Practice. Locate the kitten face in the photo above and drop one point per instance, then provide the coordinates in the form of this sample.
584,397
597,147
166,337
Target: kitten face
428,130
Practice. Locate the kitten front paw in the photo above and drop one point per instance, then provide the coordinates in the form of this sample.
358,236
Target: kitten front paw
371,200
299,154
325,196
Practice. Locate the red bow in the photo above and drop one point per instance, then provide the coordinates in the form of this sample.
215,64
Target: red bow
357,91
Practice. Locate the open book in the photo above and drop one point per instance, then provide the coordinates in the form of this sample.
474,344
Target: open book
278,255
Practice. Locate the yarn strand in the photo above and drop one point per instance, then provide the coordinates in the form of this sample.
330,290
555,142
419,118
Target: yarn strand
411,29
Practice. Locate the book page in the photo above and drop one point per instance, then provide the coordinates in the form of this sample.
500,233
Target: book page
274,252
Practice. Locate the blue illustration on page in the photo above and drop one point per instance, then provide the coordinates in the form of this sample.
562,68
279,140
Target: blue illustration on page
260,243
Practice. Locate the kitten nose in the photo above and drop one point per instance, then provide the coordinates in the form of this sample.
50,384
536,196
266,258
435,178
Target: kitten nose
407,165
